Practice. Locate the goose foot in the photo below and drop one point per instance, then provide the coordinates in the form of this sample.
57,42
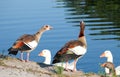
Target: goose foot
66,69
22,60
74,70
27,60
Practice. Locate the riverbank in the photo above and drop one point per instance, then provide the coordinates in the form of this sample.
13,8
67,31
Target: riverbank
13,67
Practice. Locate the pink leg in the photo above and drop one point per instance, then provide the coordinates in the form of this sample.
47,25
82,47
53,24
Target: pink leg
66,68
75,62
28,54
21,56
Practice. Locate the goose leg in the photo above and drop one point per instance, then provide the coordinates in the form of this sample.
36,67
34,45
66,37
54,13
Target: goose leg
75,62
21,56
66,68
74,69
28,54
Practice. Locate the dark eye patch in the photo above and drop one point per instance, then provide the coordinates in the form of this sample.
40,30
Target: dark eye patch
46,26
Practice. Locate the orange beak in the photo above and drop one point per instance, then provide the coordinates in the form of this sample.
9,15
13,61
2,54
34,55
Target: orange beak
51,28
102,55
103,65
40,54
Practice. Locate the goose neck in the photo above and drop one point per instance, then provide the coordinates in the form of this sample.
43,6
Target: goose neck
83,40
39,34
47,60
110,59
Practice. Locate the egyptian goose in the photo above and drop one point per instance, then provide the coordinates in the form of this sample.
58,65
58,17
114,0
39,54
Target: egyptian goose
73,49
111,67
109,57
47,54
27,42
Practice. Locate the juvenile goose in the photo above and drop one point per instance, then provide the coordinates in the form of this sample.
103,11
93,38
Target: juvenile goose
110,66
47,54
27,42
72,50
109,57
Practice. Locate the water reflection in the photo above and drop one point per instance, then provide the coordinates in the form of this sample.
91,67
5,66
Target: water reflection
102,16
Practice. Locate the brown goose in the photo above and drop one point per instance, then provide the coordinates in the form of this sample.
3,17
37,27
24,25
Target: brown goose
73,49
111,67
109,57
27,42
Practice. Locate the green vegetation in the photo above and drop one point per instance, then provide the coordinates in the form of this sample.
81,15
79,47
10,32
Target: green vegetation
58,69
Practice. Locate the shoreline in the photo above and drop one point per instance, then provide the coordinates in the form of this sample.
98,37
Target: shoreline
13,67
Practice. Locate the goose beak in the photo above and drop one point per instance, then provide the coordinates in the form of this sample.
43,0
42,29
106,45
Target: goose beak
103,65
102,55
40,54
51,27
82,22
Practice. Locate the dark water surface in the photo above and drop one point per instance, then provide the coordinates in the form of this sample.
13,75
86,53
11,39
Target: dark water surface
102,19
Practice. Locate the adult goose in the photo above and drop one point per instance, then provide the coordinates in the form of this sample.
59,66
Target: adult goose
111,67
27,42
109,57
73,49
47,54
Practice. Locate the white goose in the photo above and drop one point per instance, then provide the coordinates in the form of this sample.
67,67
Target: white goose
47,54
109,57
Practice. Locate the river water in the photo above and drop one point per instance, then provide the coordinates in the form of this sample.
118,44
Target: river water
102,20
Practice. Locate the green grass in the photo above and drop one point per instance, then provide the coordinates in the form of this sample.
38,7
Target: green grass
58,69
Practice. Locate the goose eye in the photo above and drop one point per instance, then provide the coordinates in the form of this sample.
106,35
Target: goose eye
106,52
46,26
44,51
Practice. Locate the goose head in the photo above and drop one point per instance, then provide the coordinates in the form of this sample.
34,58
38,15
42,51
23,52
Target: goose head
108,55
108,65
47,54
111,67
41,31
47,27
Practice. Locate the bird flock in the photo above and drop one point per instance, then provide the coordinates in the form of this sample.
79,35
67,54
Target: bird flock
70,51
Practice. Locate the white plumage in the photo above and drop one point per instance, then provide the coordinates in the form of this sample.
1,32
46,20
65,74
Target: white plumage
78,50
47,54
32,44
109,57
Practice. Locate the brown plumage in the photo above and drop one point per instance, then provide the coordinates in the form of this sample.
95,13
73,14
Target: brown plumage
27,42
70,44
111,67
73,49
